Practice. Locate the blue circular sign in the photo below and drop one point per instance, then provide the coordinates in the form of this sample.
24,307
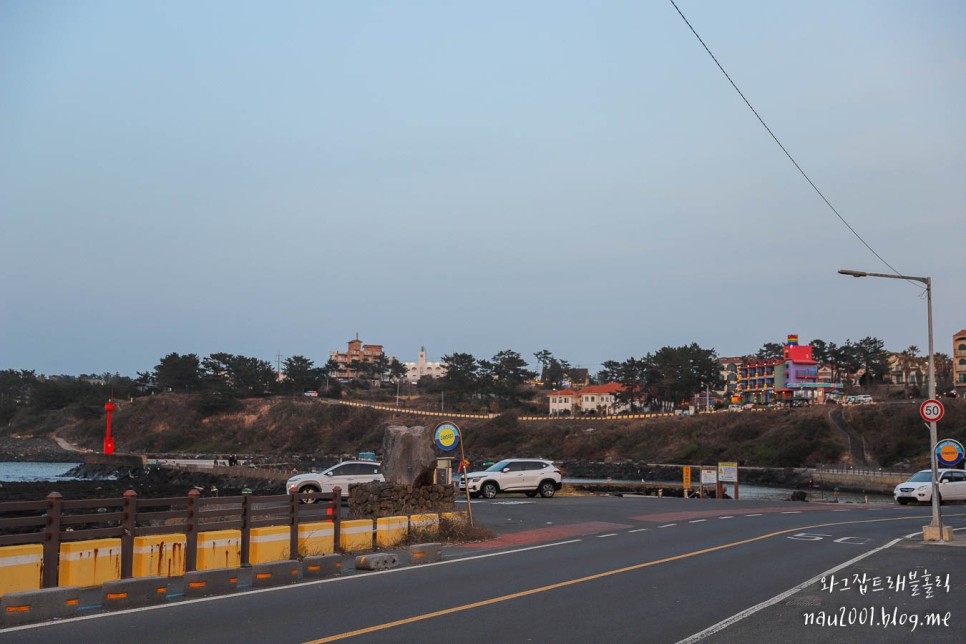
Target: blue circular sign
447,436
949,452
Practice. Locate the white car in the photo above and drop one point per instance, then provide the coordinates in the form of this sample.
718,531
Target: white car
530,475
952,487
342,475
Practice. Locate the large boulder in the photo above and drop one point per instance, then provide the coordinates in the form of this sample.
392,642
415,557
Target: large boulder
408,457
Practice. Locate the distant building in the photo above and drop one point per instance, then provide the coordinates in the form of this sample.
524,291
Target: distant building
959,362
595,399
730,370
795,377
420,368
357,352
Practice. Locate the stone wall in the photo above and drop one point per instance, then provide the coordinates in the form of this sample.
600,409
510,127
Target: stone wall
375,500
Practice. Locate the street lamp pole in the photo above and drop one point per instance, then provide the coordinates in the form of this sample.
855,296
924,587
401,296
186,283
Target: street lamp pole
937,521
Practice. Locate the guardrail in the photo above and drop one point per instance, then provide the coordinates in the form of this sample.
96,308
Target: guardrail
55,520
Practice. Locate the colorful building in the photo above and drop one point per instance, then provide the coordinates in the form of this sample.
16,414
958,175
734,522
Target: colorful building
356,352
796,377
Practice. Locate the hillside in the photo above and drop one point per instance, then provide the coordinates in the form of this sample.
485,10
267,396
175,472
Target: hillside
891,433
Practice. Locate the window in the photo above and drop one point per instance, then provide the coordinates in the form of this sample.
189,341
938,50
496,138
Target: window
962,346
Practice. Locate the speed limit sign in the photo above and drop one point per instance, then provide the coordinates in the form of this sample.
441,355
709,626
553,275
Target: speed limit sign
931,410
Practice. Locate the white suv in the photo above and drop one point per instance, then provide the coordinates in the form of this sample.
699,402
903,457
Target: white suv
529,475
342,475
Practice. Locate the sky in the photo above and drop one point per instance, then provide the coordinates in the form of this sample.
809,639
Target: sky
272,179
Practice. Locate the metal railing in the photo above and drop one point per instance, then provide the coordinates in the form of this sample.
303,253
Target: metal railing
55,520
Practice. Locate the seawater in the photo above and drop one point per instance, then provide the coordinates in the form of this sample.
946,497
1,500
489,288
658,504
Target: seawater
14,472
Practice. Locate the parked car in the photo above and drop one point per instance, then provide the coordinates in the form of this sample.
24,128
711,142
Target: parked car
529,475
952,487
733,407
342,475
861,399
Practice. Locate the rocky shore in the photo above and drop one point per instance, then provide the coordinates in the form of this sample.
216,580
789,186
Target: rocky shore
37,450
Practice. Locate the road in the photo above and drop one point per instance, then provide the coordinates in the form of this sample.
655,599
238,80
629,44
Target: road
605,569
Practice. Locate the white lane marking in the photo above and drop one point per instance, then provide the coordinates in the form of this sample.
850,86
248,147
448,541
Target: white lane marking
711,630
793,512
753,515
604,536
698,521
727,517
667,525
638,530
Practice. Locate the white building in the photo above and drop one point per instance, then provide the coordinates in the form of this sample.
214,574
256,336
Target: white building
420,368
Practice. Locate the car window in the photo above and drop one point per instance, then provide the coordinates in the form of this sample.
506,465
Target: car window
515,466
920,477
536,465
341,470
954,477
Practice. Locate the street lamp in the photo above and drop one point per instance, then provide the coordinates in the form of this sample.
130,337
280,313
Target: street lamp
933,438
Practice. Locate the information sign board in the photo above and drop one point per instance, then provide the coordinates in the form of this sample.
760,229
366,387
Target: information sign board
728,472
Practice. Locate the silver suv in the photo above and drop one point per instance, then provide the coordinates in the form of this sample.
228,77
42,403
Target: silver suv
342,475
529,475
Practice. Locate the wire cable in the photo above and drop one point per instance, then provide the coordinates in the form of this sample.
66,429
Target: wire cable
787,153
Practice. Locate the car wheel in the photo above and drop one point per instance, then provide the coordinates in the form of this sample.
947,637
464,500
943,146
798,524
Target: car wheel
489,490
902,501
548,489
309,488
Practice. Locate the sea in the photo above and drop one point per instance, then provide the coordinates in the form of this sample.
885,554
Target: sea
14,472
29,471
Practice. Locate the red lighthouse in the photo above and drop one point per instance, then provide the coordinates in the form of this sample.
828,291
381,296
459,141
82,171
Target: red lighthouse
108,440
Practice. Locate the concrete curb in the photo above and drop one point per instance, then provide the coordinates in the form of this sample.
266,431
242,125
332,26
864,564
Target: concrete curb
202,583
425,553
321,566
131,593
276,573
35,605
377,561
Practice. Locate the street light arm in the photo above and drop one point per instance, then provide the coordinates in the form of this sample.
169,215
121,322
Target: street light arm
925,280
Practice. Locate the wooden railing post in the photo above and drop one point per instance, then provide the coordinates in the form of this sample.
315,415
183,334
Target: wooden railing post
336,504
52,540
293,544
128,528
191,532
246,527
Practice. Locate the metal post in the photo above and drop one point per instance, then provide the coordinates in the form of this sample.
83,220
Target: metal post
293,543
191,533
937,520
128,528
246,529
336,504
52,540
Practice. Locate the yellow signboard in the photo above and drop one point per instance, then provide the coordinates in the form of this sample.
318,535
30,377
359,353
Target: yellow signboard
687,477
728,472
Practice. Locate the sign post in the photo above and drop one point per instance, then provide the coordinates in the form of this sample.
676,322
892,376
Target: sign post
686,486
447,436
932,411
709,476
728,473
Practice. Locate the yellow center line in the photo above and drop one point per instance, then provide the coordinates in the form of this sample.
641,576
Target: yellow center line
601,575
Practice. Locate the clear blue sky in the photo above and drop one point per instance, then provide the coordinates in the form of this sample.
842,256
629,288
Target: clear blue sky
263,178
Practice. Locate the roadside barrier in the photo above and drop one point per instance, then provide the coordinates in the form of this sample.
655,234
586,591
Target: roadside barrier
321,566
276,573
377,561
35,605
202,583
425,553
91,541
133,593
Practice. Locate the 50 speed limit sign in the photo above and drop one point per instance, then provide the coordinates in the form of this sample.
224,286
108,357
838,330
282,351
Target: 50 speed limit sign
931,410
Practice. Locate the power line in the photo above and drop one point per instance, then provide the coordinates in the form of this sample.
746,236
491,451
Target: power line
790,158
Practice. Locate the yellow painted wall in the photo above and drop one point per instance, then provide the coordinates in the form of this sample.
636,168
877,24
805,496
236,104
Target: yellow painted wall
219,549
456,517
391,530
356,535
316,539
21,568
89,563
271,543
161,555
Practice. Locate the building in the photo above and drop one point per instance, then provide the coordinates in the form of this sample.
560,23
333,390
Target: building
357,353
796,377
959,362
730,369
420,368
595,399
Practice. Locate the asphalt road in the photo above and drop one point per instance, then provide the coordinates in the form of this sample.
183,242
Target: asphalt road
607,569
